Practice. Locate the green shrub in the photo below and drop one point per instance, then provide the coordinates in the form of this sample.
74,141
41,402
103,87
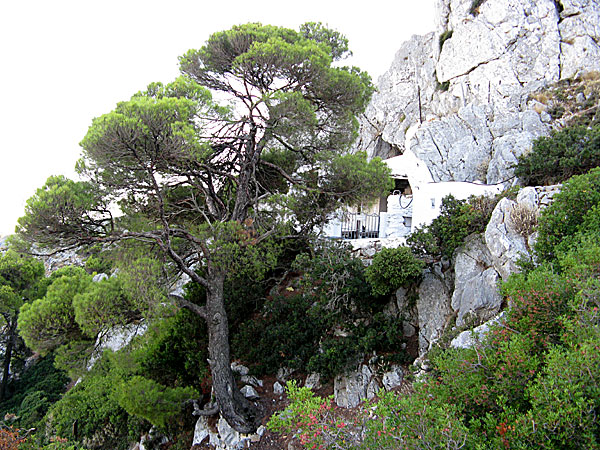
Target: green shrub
555,158
299,326
34,392
574,208
457,220
393,268
156,403
100,421
287,333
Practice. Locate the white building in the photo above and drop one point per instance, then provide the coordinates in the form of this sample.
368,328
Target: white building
415,201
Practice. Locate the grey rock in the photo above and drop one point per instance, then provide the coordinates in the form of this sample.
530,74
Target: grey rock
99,277
248,379
239,368
249,392
393,378
493,62
313,381
115,339
278,388
201,431
529,198
476,283
283,374
506,245
433,308
352,388
470,338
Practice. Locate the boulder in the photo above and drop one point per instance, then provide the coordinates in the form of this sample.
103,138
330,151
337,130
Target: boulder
99,277
278,388
238,368
253,381
470,338
223,437
313,381
476,283
249,392
505,243
354,387
393,378
433,309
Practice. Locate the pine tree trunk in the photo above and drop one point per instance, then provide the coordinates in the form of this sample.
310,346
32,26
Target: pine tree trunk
12,328
240,413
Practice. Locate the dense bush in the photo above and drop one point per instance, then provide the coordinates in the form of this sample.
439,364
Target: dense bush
555,158
325,319
573,212
457,220
90,413
34,392
393,268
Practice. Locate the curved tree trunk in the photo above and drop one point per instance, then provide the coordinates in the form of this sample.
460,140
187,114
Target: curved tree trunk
239,412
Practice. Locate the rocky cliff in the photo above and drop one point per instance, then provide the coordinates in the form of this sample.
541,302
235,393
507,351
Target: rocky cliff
460,98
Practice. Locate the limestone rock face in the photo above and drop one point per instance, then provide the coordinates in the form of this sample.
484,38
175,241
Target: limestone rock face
433,306
579,31
476,283
483,119
505,243
395,105
115,339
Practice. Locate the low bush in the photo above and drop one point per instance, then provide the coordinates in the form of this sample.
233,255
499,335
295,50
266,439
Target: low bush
393,268
457,220
572,213
556,158
324,319
32,394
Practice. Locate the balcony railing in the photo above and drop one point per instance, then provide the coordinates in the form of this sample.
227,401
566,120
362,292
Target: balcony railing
360,226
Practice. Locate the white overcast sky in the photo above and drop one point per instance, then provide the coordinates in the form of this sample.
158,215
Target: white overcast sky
64,62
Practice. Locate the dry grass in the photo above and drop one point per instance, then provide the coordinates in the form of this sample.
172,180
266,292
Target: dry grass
525,219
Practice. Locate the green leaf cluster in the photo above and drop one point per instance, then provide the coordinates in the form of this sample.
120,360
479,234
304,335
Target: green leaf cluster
393,268
457,220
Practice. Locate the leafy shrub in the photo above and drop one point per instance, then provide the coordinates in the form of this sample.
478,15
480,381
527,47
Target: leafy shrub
150,400
100,421
174,351
286,333
34,392
392,422
315,421
10,439
457,220
393,268
574,208
299,325
556,158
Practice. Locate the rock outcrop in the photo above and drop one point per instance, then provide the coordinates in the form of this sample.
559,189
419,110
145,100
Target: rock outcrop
469,291
462,103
